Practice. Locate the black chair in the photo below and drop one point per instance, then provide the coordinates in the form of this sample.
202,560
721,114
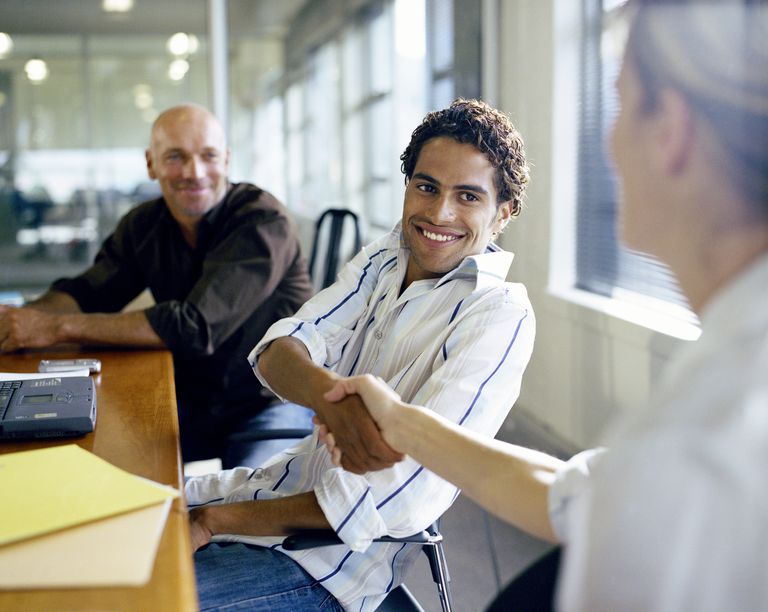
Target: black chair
328,241
533,590
400,598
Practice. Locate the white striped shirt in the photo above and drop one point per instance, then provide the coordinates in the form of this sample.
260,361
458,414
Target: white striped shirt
457,344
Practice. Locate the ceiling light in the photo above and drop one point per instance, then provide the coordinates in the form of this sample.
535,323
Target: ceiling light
36,69
182,44
6,44
116,6
177,69
143,100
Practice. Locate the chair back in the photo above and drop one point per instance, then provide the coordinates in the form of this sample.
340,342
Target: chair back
325,257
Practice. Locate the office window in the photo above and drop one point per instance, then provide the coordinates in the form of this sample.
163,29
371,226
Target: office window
294,120
79,90
322,125
364,92
441,52
603,265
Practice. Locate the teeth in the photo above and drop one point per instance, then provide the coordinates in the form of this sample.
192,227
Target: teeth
438,237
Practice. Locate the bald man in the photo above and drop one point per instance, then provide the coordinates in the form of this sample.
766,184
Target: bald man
223,263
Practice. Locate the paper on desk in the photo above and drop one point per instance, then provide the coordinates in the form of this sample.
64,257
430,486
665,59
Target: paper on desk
17,376
117,551
52,488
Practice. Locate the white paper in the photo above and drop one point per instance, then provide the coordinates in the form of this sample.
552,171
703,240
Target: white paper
37,375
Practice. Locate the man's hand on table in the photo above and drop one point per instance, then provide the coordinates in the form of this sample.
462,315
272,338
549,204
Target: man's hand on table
26,328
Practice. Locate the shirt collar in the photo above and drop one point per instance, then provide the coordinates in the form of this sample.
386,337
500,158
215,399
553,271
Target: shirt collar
726,312
736,311
210,218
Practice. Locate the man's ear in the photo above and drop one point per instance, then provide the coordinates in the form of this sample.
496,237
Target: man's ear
150,168
503,215
674,131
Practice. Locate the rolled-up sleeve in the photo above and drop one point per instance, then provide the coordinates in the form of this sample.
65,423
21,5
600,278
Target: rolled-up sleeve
112,281
238,275
326,322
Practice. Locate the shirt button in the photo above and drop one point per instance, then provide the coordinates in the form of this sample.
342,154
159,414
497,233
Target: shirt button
378,335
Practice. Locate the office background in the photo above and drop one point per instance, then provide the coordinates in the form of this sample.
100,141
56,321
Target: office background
319,98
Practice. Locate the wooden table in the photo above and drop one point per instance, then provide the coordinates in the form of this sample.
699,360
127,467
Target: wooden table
137,430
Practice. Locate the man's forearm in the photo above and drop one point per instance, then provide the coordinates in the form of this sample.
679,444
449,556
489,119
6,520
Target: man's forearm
510,481
24,328
288,369
273,517
122,329
55,301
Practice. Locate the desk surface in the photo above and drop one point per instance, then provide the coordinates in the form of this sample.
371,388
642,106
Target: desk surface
136,430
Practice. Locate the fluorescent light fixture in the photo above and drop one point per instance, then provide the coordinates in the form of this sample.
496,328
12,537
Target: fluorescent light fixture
36,69
116,6
6,44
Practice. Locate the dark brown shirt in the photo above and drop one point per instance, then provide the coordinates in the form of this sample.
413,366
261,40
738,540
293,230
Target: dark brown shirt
213,302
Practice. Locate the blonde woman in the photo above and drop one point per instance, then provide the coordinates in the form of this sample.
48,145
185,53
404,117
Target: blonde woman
675,515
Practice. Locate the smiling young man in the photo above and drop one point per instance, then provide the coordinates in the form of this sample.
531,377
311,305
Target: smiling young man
427,308
222,262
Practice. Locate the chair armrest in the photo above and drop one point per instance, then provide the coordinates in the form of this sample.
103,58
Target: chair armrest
311,538
270,434
314,538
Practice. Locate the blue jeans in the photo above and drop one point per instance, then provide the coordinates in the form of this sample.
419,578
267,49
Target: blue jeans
234,576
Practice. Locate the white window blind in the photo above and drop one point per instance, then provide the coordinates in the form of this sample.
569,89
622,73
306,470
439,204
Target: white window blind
603,265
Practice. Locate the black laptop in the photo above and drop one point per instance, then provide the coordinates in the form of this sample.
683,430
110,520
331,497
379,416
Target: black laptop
54,407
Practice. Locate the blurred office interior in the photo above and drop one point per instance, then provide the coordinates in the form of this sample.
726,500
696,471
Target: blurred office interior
319,98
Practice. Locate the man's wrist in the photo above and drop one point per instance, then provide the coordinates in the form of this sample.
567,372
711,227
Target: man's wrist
205,518
63,327
320,381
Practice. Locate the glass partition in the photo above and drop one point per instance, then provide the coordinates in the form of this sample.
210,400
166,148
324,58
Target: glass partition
77,99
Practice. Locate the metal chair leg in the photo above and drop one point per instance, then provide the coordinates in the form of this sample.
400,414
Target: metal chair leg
439,567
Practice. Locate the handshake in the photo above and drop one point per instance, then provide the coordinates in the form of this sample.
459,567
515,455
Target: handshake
362,424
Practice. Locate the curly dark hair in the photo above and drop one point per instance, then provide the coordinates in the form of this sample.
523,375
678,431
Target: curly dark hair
475,122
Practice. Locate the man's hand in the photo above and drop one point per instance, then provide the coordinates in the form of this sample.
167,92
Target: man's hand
379,400
199,533
356,434
26,328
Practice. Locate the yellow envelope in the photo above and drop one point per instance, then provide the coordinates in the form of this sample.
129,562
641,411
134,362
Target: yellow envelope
52,488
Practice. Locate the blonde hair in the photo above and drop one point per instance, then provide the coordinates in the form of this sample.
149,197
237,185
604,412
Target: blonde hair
715,53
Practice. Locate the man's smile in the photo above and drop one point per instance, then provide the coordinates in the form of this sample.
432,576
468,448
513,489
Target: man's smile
441,236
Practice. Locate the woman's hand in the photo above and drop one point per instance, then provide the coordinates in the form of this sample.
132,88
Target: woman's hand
381,401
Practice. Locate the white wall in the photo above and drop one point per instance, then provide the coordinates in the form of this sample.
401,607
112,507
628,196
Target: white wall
588,365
